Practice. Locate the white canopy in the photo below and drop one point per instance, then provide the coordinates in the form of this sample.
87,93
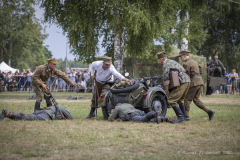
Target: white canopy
6,68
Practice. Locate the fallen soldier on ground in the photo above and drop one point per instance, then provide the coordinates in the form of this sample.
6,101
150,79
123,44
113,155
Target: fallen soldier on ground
126,112
45,114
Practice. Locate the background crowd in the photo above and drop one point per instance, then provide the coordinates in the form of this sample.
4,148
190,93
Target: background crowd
22,81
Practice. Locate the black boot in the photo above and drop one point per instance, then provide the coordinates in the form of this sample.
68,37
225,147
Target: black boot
182,107
48,105
210,114
37,106
179,114
167,119
92,113
3,115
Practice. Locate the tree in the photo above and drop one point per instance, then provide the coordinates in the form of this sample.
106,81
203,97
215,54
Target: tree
21,37
222,23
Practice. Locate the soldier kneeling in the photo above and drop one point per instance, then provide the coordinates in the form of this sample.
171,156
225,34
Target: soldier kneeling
45,114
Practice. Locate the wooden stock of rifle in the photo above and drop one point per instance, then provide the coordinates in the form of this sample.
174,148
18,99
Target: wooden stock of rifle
49,95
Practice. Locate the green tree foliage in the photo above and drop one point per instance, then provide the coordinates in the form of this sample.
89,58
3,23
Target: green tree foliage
21,38
142,21
223,26
70,64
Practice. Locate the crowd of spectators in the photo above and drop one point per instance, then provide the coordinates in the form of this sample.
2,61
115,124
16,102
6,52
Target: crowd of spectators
232,83
22,81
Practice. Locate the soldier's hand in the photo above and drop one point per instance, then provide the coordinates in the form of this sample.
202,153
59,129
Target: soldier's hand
167,92
93,78
44,86
74,84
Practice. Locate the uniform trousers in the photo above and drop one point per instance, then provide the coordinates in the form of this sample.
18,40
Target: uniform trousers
40,94
139,116
193,95
178,94
101,88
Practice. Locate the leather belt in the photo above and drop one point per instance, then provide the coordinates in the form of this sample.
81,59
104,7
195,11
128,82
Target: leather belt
194,75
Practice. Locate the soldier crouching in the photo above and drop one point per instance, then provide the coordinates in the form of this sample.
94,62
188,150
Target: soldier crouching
179,93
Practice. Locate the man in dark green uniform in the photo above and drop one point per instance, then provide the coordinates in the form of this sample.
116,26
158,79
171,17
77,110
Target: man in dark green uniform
194,71
44,72
126,112
177,94
216,65
45,114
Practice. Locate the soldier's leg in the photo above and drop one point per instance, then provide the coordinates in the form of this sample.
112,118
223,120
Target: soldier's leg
177,96
12,115
48,101
197,101
101,102
38,115
39,97
188,100
99,88
139,116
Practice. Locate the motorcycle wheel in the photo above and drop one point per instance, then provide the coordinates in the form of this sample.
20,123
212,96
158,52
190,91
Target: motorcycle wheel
105,110
157,98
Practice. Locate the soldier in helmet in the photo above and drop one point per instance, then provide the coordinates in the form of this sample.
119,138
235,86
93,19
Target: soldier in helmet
216,65
45,114
177,94
196,85
45,72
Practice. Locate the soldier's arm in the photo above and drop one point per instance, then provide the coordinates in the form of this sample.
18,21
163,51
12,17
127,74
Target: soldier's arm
63,76
36,76
187,68
166,79
114,115
221,64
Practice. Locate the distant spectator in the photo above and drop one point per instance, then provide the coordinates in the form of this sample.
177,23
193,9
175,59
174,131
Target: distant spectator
234,77
29,78
87,76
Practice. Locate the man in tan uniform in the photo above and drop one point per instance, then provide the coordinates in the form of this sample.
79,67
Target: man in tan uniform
178,94
44,72
193,70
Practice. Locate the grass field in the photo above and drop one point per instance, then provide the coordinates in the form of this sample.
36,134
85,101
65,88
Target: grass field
82,138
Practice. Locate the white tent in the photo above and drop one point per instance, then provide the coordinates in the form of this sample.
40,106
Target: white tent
6,68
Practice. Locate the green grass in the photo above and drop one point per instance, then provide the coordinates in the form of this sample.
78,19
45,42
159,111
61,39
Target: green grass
83,138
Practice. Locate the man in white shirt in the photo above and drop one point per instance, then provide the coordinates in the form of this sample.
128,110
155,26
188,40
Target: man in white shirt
104,72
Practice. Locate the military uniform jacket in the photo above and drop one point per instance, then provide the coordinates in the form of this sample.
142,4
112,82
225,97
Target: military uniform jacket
122,111
51,111
217,63
209,63
44,73
194,71
171,64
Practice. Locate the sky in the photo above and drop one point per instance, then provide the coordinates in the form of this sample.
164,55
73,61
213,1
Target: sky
56,40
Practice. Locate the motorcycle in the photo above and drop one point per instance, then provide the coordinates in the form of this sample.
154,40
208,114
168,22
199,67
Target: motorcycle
145,94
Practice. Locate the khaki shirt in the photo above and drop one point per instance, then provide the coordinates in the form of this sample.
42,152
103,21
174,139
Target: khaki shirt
43,73
192,68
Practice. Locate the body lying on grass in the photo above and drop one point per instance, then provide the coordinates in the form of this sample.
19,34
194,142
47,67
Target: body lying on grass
126,112
45,114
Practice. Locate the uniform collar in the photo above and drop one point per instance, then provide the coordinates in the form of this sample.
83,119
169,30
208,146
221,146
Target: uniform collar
47,69
187,59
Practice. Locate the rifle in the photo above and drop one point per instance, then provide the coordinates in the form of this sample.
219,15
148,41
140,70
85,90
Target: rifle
96,92
49,95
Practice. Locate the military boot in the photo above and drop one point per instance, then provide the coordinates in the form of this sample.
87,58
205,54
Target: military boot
167,119
3,115
182,107
37,106
180,116
210,114
12,115
49,104
92,113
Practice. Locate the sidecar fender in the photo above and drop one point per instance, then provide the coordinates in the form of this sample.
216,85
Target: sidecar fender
150,92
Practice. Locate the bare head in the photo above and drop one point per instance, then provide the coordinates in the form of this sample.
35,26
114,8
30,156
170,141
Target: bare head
161,56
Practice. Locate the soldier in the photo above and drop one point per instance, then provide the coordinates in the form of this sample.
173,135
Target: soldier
177,94
126,112
44,72
209,62
216,65
45,114
104,71
196,85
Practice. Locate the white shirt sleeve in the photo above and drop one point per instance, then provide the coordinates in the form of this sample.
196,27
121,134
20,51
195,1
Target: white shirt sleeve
116,73
93,67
